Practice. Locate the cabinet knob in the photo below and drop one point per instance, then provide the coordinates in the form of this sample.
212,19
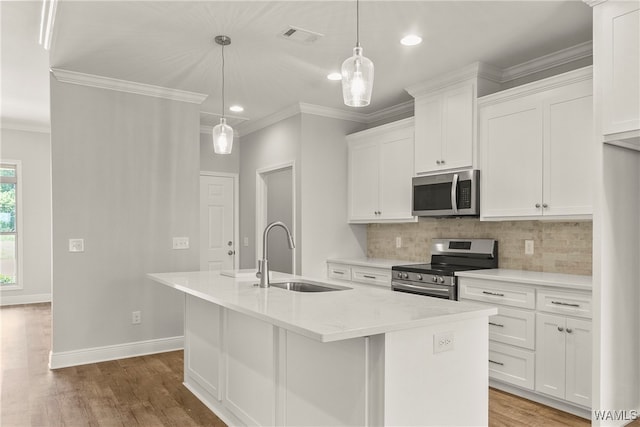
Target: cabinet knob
437,162
569,330
560,328
544,205
537,205
442,162
231,252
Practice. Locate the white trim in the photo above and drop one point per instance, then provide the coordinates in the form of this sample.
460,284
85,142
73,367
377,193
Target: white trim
333,113
555,59
6,300
236,210
261,208
25,126
390,112
109,83
475,70
593,3
255,125
84,356
19,228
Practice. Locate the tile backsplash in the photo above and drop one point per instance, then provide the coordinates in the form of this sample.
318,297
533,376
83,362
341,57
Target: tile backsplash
559,247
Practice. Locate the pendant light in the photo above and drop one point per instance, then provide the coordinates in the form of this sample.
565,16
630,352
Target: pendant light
222,133
357,73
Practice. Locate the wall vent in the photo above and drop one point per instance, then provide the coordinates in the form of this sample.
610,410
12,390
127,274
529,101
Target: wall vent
299,35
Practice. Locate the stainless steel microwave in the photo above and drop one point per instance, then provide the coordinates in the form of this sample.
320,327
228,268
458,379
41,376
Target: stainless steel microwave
447,194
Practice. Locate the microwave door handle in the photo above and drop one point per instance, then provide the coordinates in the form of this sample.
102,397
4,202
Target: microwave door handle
454,194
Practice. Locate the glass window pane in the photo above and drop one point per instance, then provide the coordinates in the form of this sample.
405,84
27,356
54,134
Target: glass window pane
8,265
7,207
7,170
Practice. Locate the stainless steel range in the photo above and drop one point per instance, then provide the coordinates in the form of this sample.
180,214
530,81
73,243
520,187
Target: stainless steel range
448,256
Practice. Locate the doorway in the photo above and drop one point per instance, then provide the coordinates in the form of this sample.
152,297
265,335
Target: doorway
218,221
275,201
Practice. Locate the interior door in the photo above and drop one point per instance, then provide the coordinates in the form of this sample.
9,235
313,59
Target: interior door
217,223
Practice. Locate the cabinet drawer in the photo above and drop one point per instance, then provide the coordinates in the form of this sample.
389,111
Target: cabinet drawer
574,304
371,276
503,293
511,365
338,271
515,327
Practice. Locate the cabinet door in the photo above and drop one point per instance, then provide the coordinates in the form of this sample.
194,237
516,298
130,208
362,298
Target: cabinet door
457,125
363,181
550,355
619,59
578,364
396,171
428,134
511,144
569,152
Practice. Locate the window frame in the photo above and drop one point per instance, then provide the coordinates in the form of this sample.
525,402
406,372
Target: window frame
19,232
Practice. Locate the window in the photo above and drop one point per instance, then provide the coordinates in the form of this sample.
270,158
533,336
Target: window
10,224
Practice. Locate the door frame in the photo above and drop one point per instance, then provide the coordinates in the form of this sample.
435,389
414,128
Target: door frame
261,207
236,209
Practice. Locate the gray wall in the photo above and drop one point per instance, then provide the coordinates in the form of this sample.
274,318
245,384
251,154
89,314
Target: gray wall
125,178
211,162
267,147
33,149
280,208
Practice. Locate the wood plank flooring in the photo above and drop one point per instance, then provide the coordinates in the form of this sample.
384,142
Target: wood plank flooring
142,391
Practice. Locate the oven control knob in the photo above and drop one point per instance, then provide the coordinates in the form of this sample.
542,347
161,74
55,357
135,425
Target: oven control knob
419,276
441,279
434,279
405,276
399,275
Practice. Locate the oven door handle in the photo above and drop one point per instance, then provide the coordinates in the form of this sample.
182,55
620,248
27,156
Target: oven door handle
406,287
454,194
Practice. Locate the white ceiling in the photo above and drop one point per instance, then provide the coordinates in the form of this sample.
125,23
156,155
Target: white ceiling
170,44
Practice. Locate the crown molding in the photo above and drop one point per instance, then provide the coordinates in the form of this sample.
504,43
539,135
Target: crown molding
477,69
593,3
109,83
555,59
208,130
24,126
393,111
319,110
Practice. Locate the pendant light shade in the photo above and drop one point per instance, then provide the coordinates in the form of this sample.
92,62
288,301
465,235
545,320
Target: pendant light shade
222,133
357,73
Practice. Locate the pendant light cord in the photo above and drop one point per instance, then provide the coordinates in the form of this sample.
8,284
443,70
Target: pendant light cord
223,81
357,23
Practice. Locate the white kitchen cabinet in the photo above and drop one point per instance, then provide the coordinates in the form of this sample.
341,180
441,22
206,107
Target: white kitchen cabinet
444,129
380,172
617,56
536,149
563,358
360,274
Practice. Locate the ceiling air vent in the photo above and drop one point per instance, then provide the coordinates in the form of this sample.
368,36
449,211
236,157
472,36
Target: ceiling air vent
299,35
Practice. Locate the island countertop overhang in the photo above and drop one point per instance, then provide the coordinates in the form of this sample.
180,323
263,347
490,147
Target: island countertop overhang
325,316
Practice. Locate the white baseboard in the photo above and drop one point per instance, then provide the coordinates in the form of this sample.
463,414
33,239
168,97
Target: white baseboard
24,299
64,359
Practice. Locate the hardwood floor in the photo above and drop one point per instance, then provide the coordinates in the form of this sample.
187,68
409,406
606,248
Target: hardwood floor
142,391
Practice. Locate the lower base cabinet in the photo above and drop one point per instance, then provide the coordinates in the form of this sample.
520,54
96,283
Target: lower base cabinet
563,362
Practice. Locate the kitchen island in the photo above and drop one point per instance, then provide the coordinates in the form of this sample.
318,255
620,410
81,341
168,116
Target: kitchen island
359,356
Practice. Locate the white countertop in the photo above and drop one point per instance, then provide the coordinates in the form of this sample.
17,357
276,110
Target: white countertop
324,316
569,281
371,262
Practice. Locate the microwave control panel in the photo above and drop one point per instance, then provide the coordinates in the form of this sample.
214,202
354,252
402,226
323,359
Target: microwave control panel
464,194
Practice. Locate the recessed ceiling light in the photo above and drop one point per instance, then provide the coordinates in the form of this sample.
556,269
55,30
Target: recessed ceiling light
411,40
236,108
334,76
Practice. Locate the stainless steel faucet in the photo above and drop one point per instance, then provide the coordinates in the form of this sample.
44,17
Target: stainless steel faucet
263,264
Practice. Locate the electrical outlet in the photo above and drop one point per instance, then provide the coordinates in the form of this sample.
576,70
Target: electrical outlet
442,341
398,242
180,243
76,245
136,317
528,247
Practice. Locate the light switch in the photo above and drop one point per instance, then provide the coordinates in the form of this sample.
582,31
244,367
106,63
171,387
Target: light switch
76,245
180,243
245,242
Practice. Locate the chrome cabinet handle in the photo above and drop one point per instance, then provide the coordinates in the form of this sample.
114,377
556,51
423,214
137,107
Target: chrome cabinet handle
544,205
566,304
569,330
231,252
496,324
368,277
492,293
537,205
560,328
338,272
496,363
442,162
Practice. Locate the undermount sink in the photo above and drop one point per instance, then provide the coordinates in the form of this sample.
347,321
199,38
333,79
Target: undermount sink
308,286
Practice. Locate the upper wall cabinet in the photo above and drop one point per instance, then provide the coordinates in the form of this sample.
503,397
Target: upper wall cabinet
380,172
445,119
617,56
536,149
